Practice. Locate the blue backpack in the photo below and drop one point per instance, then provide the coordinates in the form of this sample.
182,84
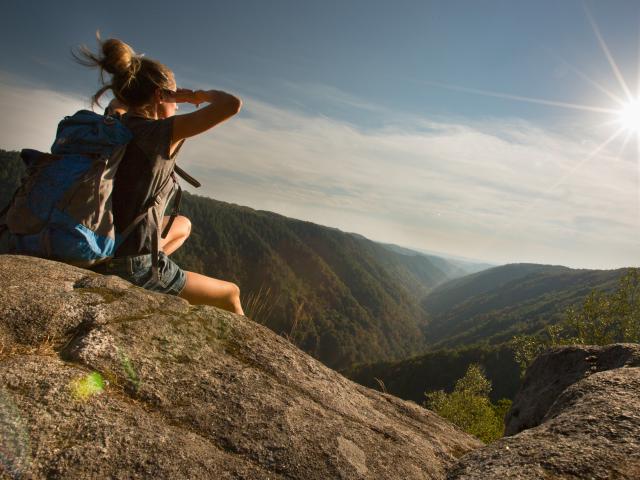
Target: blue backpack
63,210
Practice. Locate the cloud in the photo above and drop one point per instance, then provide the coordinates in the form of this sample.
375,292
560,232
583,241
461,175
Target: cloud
328,95
503,190
30,114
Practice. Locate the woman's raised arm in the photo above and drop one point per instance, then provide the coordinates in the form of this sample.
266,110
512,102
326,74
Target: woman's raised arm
221,106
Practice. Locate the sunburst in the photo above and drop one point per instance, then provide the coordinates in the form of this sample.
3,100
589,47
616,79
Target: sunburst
624,115
629,117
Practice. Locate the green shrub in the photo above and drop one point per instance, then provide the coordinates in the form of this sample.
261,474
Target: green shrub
469,407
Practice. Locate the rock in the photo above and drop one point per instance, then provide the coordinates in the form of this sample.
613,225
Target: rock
592,431
101,379
552,372
43,301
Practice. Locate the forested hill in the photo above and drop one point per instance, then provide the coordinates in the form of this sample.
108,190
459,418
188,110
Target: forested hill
342,298
473,320
339,296
496,304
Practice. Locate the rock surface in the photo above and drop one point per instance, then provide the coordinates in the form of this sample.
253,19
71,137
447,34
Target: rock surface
591,432
100,379
586,416
552,372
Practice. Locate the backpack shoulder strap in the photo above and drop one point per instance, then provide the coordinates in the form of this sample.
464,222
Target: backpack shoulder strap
175,210
187,178
178,198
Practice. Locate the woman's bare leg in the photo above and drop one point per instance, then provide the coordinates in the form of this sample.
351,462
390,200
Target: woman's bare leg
179,232
203,290
200,289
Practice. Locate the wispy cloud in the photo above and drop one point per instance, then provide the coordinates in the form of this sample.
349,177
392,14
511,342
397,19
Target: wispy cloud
30,113
329,95
483,191
478,190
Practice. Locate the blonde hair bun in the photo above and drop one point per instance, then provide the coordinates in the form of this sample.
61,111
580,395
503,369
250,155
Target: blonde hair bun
134,78
118,58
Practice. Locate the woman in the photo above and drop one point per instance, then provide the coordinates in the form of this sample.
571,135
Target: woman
147,90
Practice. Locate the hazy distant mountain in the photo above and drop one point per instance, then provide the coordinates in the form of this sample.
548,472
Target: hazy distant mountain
495,304
455,266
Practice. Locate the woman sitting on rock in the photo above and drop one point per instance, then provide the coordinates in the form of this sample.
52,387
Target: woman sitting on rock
146,90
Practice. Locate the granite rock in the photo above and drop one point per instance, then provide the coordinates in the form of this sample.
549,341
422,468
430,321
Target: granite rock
101,379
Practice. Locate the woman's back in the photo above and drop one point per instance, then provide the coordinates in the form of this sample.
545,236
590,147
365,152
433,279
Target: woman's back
145,176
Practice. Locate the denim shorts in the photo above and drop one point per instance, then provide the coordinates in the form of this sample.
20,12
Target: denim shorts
137,270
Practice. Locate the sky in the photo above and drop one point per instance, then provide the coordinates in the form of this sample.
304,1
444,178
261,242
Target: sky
483,129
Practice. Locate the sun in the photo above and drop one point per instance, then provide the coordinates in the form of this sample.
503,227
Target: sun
629,117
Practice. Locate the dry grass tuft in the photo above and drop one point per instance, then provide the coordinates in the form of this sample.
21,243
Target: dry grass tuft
260,304
298,316
381,384
48,347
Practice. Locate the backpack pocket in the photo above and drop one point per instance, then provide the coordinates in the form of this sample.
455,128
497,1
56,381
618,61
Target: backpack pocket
21,218
32,203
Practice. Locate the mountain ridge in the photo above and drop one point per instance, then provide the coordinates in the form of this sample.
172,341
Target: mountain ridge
496,304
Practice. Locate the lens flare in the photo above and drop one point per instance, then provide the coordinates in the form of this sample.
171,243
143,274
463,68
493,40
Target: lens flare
86,387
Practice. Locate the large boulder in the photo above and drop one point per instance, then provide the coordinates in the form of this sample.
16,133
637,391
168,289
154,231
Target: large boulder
592,431
101,379
552,372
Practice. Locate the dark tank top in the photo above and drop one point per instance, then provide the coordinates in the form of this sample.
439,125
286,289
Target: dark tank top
143,179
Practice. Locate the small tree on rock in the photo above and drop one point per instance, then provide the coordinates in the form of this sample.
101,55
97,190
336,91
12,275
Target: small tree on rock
469,407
